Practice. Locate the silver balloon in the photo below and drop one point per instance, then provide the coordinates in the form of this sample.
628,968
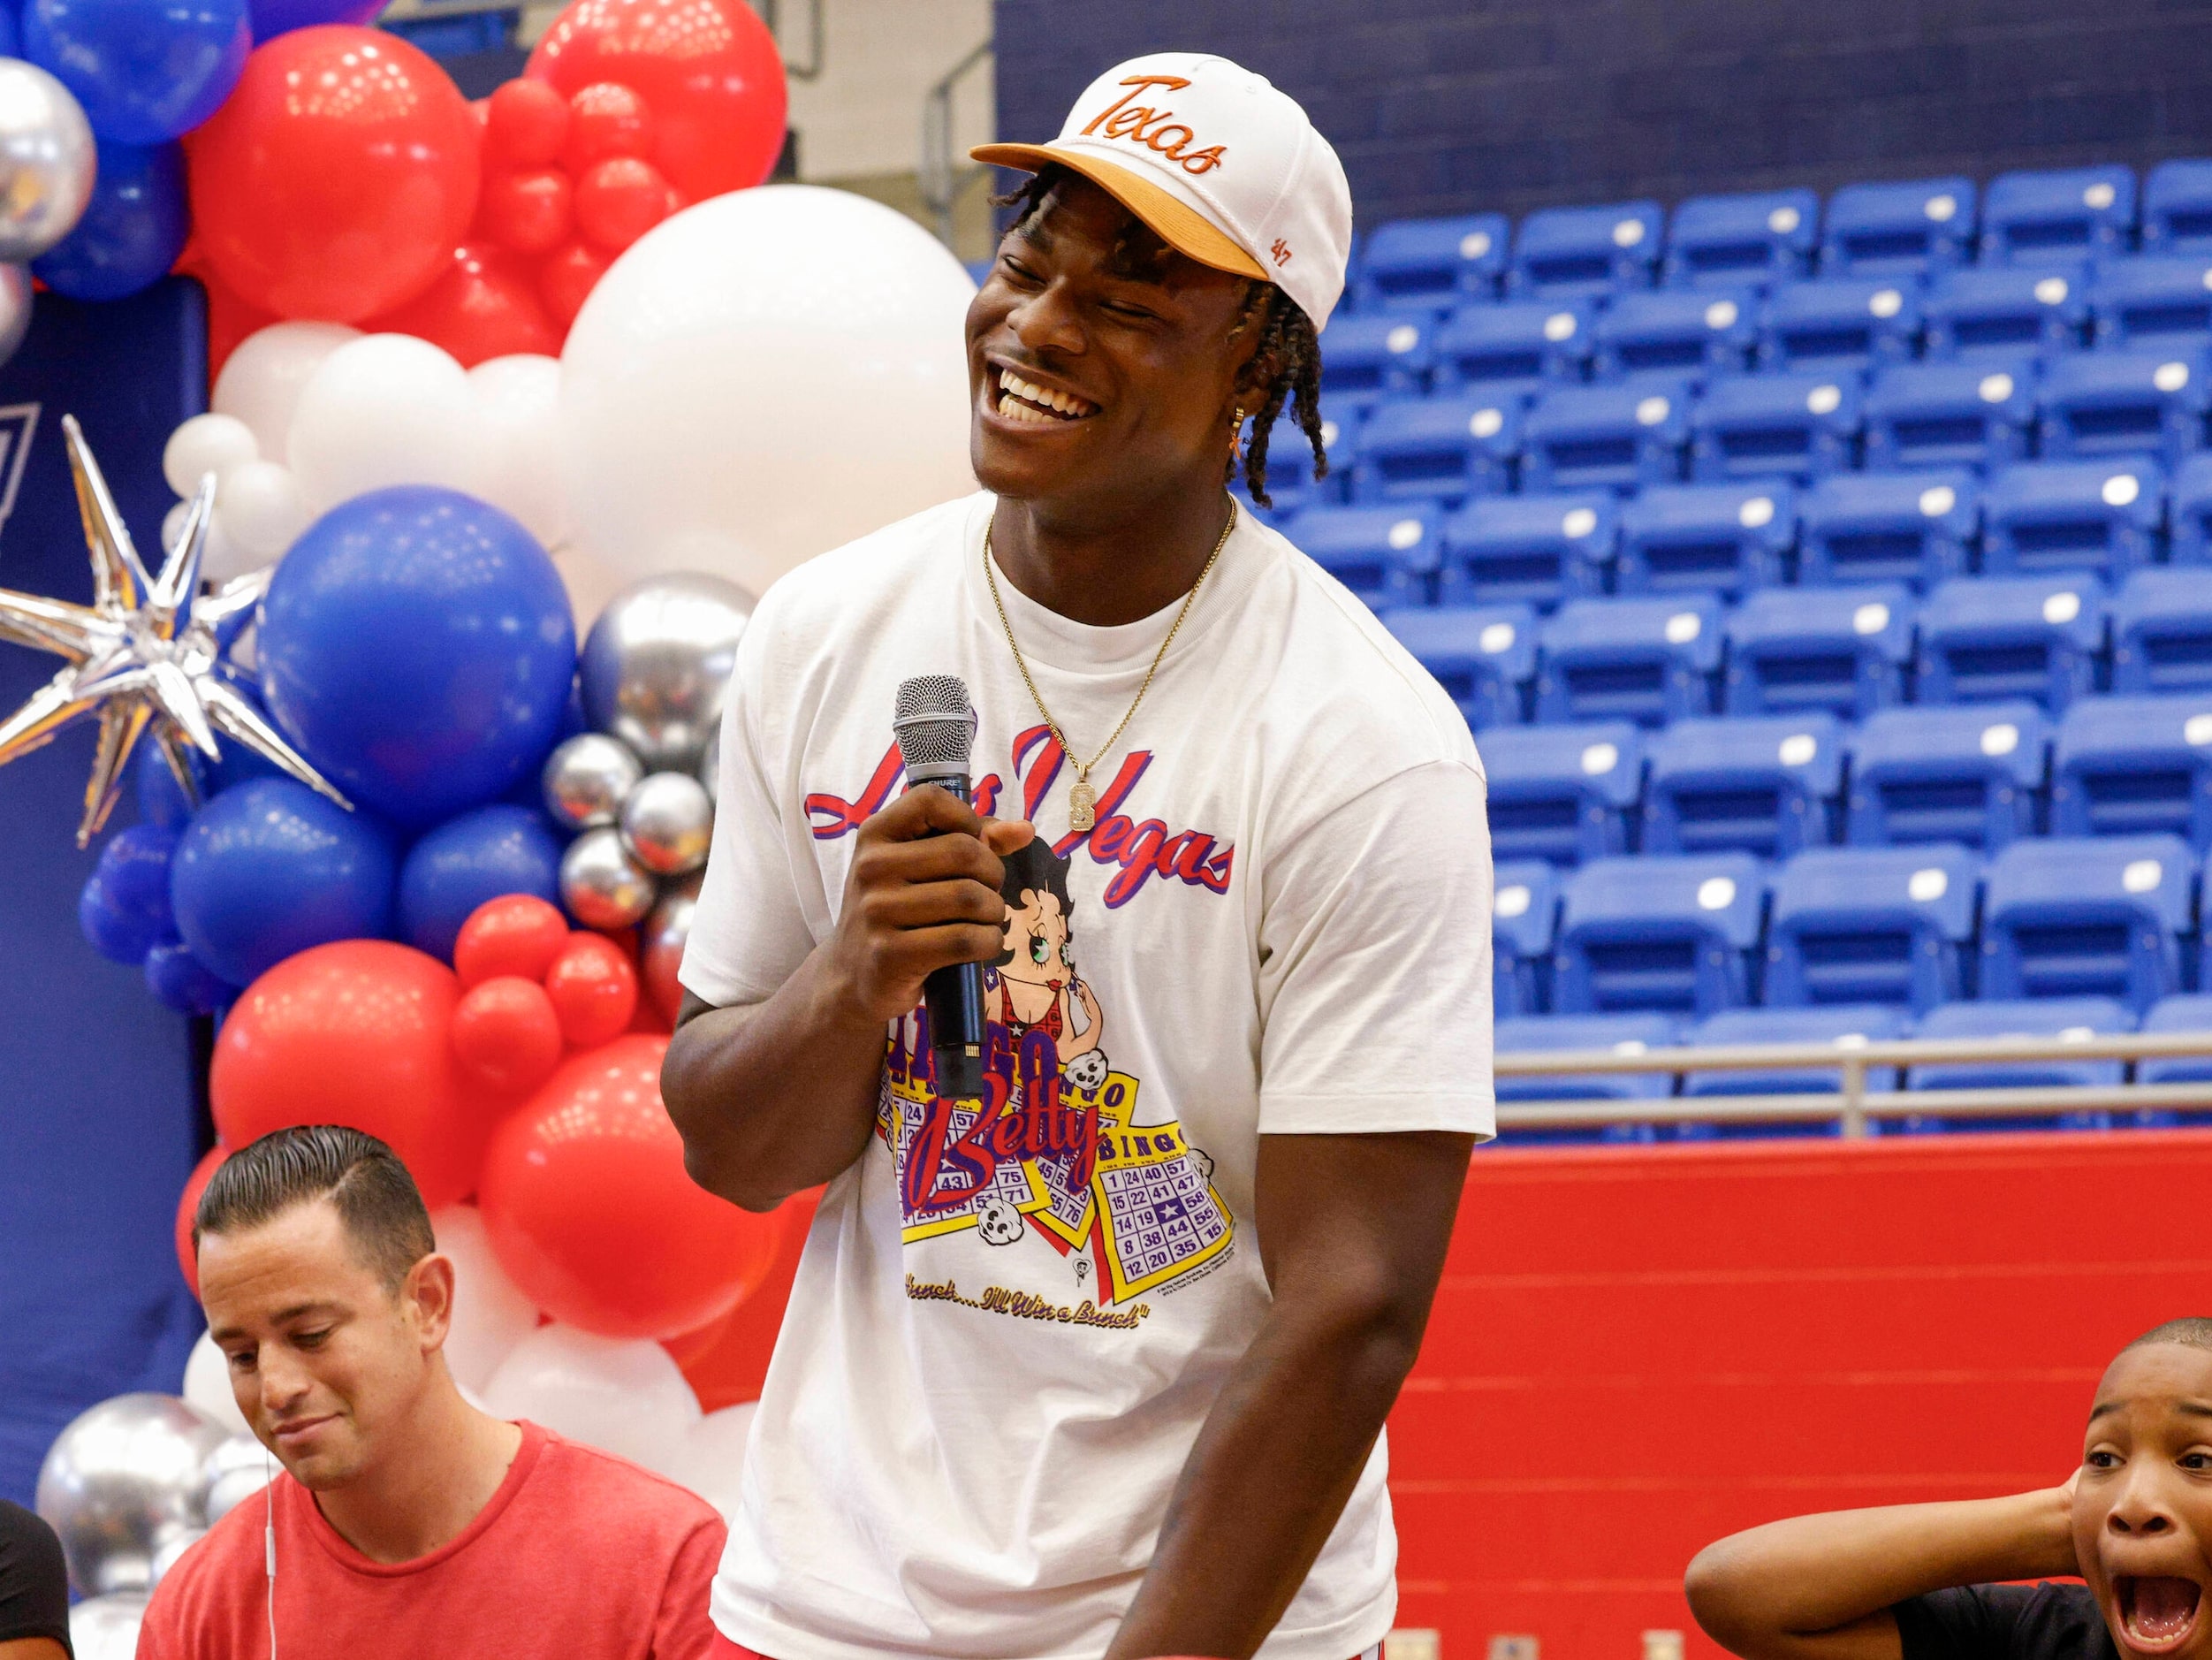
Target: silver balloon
47,161
586,778
15,307
667,933
668,823
123,1483
106,1627
710,764
236,1471
657,661
602,885
168,1556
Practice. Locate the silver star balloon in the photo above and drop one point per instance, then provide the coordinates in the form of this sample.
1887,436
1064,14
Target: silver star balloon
148,652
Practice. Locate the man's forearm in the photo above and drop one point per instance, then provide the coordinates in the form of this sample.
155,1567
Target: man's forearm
777,1097
1278,1457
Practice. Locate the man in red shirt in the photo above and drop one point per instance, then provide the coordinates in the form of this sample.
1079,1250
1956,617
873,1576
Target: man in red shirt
405,1521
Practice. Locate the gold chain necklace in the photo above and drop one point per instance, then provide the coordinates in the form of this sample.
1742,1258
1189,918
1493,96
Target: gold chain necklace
1083,800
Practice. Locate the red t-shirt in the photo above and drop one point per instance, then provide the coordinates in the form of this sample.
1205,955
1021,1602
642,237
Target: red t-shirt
579,1553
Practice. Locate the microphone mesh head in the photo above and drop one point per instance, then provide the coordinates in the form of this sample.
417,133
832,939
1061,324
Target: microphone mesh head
936,727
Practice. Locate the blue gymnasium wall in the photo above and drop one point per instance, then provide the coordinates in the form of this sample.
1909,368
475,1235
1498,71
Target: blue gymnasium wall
1444,106
99,1120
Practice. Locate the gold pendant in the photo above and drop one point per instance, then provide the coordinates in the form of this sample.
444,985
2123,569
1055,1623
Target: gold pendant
1082,806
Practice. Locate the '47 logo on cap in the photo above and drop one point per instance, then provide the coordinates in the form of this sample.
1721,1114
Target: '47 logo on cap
1155,129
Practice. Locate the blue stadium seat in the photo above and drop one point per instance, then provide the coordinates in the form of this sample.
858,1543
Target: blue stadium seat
1846,1026
1604,438
1384,555
2189,512
1432,264
1674,934
1990,638
2177,208
1724,537
1914,527
1759,237
2125,403
2156,303
1843,323
1481,655
1795,425
1523,915
1841,650
1887,926
1541,549
1973,414
1763,784
2025,1017
1692,332
1513,350
2162,632
2088,915
2127,765
1967,774
1650,660
1437,449
1585,253
1562,793
2101,515
2070,214
1882,230
2001,311
1623,1034
2183,1012
1290,480
1369,358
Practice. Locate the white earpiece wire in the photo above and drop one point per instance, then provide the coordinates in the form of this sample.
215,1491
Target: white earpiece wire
269,1538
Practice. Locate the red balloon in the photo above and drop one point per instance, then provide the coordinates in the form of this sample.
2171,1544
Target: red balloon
515,934
507,1036
588,1207
530,213
709,70
337,178
526,122
485,306
356,1032
188,1207
605,120
620,200
732,1367
594,989
565,280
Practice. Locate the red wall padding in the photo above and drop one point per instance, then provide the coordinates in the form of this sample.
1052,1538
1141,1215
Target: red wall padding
1635,1351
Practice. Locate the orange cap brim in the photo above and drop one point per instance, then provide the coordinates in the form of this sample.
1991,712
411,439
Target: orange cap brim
1180,226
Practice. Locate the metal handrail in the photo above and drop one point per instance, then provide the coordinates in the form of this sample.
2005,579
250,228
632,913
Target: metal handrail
941,178
1854,1104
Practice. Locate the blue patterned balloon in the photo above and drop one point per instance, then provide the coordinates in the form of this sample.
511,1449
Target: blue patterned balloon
418,646
146,70
479,856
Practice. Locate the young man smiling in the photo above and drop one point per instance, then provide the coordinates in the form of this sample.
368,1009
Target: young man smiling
1097,1363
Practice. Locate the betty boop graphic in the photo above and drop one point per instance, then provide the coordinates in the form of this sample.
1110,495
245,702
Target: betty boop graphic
1036,985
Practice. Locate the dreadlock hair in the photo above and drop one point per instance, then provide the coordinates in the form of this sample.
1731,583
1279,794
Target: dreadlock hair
1288,355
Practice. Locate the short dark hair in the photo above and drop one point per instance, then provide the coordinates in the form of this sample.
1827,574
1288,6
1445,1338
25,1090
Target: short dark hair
1034,868
2191,1332
376,1199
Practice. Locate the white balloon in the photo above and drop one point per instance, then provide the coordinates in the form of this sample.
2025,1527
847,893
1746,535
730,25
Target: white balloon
763,376
173,525
625,1397
222,559
490,1316
384,409
106,1627
261,380
714,1455
207,1385
518,442
261,510
591,581
206,444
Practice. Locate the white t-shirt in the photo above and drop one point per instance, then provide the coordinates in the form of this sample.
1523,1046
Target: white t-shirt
1006,1334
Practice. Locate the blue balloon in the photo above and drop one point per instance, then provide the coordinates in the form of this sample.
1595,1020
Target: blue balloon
273,17
133,230
124,909
11,30
479,856
182,981
146,70
417,645
269,869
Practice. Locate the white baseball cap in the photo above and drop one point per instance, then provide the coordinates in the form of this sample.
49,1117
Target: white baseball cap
1223,166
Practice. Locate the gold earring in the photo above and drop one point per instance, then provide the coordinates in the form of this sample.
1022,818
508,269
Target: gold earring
1236,433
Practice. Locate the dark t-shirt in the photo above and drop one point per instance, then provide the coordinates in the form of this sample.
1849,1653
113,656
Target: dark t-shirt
34,1579
2005,1622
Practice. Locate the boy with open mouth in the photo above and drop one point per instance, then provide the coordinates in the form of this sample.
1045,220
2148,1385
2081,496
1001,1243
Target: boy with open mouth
1926,1581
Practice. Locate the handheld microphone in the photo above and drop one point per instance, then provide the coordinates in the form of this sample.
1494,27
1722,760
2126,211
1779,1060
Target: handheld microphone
936,727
